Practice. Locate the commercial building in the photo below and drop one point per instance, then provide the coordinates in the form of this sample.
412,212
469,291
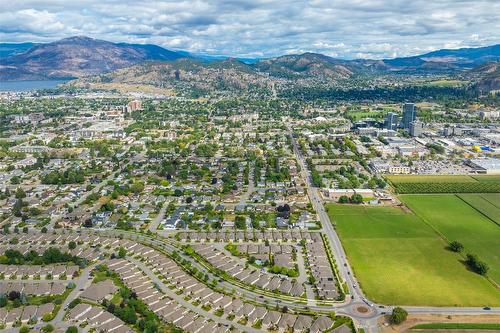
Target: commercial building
391,121
485,165
416,128
409,115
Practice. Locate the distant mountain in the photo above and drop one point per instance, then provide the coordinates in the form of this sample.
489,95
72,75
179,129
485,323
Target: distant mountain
76,57
446,60
186,73
307,65
9,49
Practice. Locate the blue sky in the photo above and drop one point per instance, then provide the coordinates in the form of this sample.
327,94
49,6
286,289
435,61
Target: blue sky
262,28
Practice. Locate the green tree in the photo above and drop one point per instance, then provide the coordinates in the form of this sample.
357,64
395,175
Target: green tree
343,199
48,328
456,246
72,329
398,315
122,253
239,222
24,329
72,245
356,198
20,194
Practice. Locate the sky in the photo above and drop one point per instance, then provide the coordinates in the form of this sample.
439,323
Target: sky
262,28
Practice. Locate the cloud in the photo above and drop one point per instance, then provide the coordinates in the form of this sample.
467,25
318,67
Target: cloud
347,29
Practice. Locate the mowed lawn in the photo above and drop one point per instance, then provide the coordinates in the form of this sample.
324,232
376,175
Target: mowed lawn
398,259
457,220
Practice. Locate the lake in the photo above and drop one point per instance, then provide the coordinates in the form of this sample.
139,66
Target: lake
29,85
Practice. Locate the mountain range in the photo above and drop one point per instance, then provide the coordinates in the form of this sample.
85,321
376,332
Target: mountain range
78,57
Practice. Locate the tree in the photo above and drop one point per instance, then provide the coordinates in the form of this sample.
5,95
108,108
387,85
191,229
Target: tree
20,194
48,328
343,199
476,265
72,329
356,198
398,315
122,253
239,222
72,245
14,295
456,246
24,329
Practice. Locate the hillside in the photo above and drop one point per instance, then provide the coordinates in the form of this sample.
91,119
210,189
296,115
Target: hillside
487,76
77,57
446,60
10,49
186,73
231,74
307,65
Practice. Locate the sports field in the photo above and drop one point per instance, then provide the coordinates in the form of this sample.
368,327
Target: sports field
399,259
456,220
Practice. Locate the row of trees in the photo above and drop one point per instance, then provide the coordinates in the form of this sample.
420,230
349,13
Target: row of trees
471,260
50,256
354,199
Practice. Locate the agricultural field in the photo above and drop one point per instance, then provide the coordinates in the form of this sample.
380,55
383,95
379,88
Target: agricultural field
399,259
486,203
445,184
456,220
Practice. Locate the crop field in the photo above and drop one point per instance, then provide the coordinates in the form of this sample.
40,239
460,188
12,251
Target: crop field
486,203
445,184
456,220
399,259
430,179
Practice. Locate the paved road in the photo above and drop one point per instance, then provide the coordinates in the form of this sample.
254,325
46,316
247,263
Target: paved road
338,251
83,282
153,226
180,299
251,186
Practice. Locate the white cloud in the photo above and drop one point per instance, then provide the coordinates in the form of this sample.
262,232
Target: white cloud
349,29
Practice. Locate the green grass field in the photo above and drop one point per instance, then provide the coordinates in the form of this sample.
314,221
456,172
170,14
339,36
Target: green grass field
399,259
458,326
457,220
486,203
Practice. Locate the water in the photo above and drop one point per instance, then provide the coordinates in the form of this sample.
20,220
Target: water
28,85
